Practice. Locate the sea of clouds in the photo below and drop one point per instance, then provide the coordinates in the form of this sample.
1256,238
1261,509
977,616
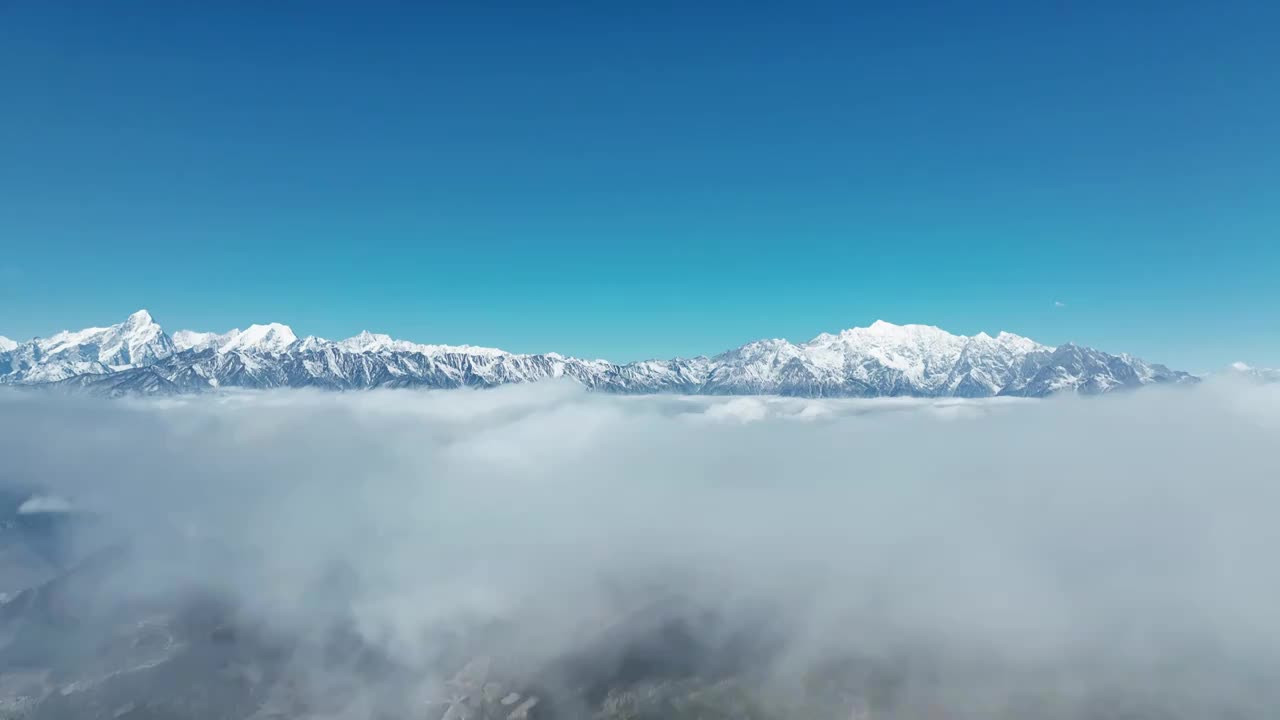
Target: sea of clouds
1121,546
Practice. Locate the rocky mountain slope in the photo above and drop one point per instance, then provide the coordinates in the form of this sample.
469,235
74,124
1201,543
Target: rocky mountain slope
137,356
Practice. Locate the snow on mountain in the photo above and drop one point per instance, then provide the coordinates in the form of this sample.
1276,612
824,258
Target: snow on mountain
269,338
372,342
883,359
136,341
6,344
367,342
310,343
192,340
902,357
1254,374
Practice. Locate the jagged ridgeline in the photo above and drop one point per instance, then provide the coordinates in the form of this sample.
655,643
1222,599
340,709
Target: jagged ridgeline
883,360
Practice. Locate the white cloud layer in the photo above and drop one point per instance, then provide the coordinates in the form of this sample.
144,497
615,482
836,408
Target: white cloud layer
1063,546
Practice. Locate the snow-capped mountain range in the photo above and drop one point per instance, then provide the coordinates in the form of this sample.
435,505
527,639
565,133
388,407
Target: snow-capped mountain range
1254,374
137,356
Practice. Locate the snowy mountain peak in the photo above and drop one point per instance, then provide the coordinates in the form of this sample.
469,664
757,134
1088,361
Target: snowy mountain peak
6,344
140,329
366,341
882,326
1019,343
268,338
141,318
891,337
311,343
1261,375
882,333
136,341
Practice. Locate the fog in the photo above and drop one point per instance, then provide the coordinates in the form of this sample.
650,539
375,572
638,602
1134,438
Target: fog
940,558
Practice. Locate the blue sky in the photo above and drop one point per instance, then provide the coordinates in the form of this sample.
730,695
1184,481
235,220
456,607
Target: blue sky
647,180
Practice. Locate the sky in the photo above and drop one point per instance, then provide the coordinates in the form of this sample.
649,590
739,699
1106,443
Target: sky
650,180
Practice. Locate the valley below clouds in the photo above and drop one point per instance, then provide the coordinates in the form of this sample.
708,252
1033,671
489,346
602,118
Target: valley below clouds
542,551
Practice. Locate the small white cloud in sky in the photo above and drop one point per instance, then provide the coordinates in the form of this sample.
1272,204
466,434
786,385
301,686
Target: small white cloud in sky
1059,304
44,504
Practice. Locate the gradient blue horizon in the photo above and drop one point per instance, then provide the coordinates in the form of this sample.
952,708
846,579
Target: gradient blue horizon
647,181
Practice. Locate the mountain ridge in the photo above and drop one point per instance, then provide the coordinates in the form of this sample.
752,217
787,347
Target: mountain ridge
883,359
